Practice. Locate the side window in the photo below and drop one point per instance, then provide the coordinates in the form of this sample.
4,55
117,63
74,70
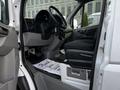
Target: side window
92,13
4,11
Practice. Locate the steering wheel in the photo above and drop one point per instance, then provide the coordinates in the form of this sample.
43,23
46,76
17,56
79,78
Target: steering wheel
64,23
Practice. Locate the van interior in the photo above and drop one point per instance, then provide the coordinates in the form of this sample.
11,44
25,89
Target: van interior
61,55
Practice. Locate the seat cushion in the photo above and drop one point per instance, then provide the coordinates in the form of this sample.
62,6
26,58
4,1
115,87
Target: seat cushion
83,44
35,39
79,58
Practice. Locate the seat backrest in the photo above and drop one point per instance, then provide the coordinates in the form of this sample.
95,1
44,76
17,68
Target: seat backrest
43,24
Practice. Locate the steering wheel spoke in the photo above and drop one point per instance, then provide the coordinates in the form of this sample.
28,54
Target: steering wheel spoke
64,23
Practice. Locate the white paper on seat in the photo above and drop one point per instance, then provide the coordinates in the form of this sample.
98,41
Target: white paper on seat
49,66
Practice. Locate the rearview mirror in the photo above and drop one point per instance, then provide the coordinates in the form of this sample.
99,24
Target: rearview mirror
85,1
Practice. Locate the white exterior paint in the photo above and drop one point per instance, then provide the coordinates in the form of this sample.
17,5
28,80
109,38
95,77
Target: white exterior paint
107,76
103,50
115,46
16,7
107,71
111,77
11,13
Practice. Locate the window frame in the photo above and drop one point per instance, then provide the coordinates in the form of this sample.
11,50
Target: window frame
6,13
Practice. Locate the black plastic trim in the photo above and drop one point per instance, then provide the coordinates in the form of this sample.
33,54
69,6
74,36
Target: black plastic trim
22,84
97,43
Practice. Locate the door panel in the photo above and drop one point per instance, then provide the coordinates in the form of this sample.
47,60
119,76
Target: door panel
9,59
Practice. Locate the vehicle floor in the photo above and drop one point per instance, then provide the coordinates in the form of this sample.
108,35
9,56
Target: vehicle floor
45,81
49,67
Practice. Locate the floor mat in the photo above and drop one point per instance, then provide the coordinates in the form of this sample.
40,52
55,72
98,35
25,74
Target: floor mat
49,66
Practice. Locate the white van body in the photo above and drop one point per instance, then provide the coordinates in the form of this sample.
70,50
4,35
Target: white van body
107,69
108,59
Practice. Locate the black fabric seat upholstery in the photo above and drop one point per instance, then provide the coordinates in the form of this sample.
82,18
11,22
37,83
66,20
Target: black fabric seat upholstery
79,58
87,45
80,51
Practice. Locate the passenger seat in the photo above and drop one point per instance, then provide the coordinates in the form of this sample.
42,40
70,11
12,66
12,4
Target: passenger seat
79,53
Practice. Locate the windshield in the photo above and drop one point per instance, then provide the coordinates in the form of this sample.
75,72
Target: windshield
87,17
4,11
34,6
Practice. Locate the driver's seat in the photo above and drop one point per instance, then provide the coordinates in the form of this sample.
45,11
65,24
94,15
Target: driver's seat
33,35
41,34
